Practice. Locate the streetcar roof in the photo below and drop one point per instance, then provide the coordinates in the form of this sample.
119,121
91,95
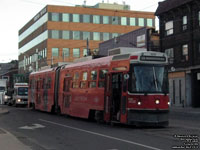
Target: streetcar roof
92,63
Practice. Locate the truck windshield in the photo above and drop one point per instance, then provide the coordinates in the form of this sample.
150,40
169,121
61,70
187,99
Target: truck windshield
2,89
23,91
148,79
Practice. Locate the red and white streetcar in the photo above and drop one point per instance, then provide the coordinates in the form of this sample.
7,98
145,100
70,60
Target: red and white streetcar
125,88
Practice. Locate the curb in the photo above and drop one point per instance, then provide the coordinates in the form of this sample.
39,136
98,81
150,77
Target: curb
3,111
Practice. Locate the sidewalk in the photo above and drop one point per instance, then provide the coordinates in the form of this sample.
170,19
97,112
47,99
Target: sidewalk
3,111
189,111
9,141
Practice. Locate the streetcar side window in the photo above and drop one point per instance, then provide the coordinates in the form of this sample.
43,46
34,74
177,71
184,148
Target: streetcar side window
46,83
49,83
84,80
75,83
93,78
66,85
38,84
32,82
102,75
35,84
43,83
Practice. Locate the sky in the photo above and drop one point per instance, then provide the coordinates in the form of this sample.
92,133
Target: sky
14,14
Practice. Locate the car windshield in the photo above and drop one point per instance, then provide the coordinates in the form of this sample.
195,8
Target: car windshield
23,91
2,88
148,79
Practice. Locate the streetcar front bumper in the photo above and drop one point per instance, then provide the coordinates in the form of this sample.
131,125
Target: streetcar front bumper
148,117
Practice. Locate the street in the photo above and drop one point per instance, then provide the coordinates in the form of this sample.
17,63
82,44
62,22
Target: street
43,131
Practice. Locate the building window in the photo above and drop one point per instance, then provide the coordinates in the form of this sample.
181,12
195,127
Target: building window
115,20
141,22
76,35
170,54
115,35
150,22
123,21
86,18
185,52
184,23
132,22
105,19
105,36
76,18
65,17
76,52
65,52
86,35
55,34
65,35
54,16
55,52
169,28
85,52
96,19
96,36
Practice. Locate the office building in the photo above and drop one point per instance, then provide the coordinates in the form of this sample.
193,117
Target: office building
59,33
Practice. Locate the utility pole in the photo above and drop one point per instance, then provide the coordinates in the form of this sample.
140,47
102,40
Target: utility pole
88,51
36,62
24,62
63,56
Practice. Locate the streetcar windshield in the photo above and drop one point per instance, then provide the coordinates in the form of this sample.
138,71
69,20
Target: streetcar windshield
23,91
148,79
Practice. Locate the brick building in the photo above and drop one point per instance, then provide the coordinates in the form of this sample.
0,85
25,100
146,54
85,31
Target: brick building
59,33
180,39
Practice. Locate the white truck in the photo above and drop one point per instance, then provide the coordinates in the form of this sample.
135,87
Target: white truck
3,86
20,95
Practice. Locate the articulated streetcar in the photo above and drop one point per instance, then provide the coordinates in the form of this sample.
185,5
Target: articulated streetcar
125,88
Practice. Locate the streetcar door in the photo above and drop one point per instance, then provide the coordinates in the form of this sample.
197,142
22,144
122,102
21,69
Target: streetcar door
107,97
116,96
123,114
66,95
113,94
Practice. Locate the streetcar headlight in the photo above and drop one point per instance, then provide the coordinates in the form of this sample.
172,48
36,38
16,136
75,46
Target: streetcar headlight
18,100
157,101
139,103
6,97
168,103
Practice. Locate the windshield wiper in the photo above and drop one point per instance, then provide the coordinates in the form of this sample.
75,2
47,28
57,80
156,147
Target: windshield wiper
155,80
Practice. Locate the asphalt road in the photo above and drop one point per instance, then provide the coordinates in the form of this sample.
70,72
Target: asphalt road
43,131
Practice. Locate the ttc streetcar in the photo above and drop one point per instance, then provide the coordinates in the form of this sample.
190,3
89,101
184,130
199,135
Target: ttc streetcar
126,88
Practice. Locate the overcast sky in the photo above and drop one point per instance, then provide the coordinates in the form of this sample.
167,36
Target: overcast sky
14,14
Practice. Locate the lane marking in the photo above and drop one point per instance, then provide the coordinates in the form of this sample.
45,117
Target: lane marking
32,127
99,134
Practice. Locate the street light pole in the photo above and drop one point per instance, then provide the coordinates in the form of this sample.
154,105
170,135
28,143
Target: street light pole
36,62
